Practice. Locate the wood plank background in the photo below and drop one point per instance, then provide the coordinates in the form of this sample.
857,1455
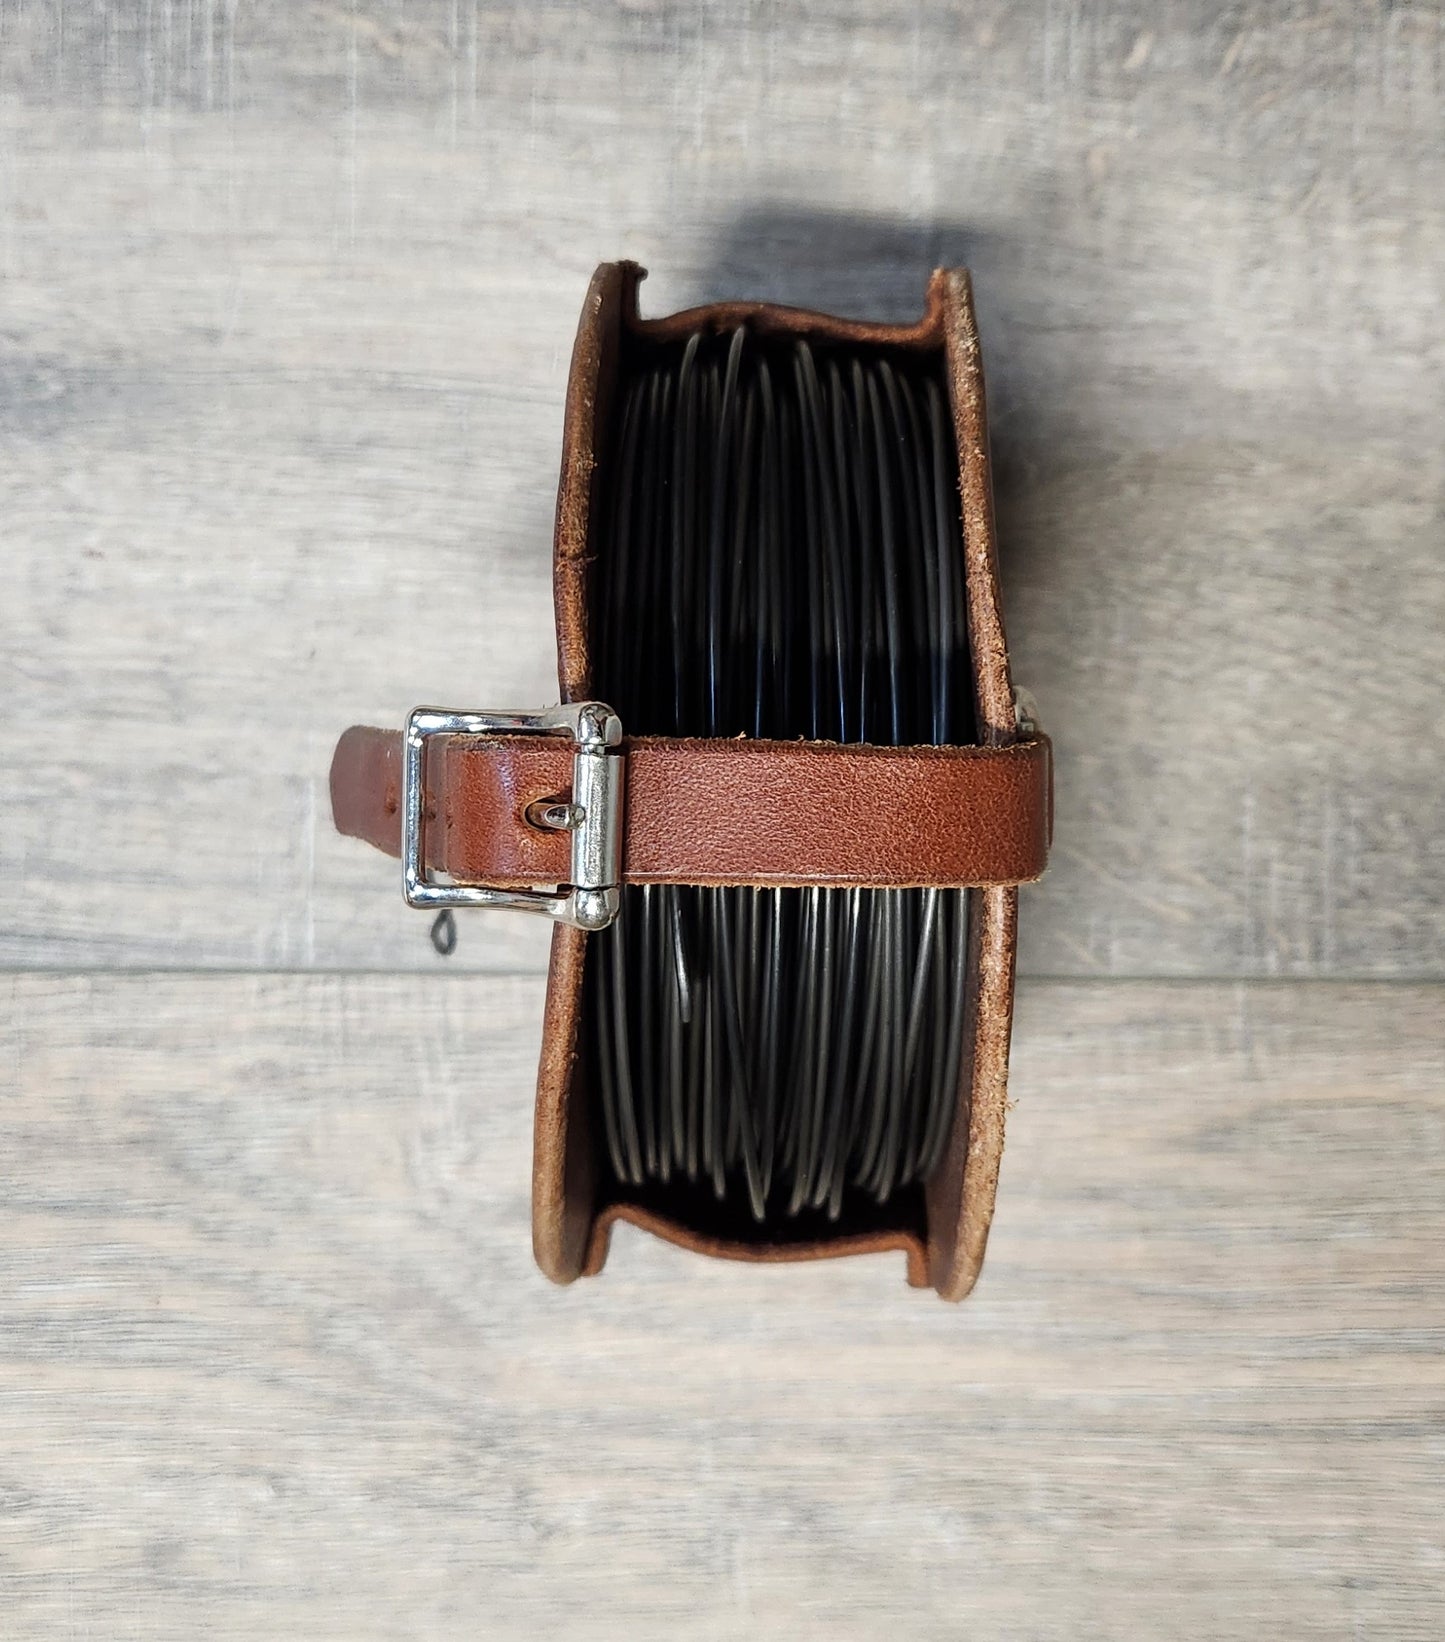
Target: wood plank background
289,297
277,1362
287,292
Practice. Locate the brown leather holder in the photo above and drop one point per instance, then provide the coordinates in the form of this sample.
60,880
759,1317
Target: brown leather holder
737,811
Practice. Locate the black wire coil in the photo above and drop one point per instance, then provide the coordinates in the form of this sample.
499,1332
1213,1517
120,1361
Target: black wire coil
780,557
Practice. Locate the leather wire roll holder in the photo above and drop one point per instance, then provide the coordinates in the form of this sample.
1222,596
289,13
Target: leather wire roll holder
784,871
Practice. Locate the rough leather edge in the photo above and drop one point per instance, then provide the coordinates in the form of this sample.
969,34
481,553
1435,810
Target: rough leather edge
773,318
880,1242
564,1172
590,384
997,725
960,1196
564,1160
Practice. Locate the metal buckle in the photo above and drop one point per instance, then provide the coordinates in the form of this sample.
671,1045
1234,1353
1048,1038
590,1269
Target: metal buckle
594,816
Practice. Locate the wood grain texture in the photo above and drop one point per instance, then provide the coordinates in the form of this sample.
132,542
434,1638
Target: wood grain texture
288,296
274,1360
287,292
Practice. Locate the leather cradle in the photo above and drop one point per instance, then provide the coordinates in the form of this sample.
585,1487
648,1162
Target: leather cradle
755,812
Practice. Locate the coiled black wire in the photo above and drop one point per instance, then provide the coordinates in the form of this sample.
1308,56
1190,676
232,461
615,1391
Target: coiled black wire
779,557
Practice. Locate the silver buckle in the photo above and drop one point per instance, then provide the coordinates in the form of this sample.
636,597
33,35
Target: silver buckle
593,817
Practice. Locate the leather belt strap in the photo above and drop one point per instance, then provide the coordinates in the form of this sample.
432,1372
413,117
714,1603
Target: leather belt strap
783,813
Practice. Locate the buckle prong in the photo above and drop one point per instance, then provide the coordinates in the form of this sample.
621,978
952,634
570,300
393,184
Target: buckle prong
593,816
555,815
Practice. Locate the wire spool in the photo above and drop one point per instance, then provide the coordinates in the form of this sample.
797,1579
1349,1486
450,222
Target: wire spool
782,559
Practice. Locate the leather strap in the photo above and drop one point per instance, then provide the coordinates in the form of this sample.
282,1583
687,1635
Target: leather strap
794,813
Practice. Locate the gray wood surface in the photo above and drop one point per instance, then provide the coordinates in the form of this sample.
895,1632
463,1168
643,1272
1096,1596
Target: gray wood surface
287,292
288,297
276,1362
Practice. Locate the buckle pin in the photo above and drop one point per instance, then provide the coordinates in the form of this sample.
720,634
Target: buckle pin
555,815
